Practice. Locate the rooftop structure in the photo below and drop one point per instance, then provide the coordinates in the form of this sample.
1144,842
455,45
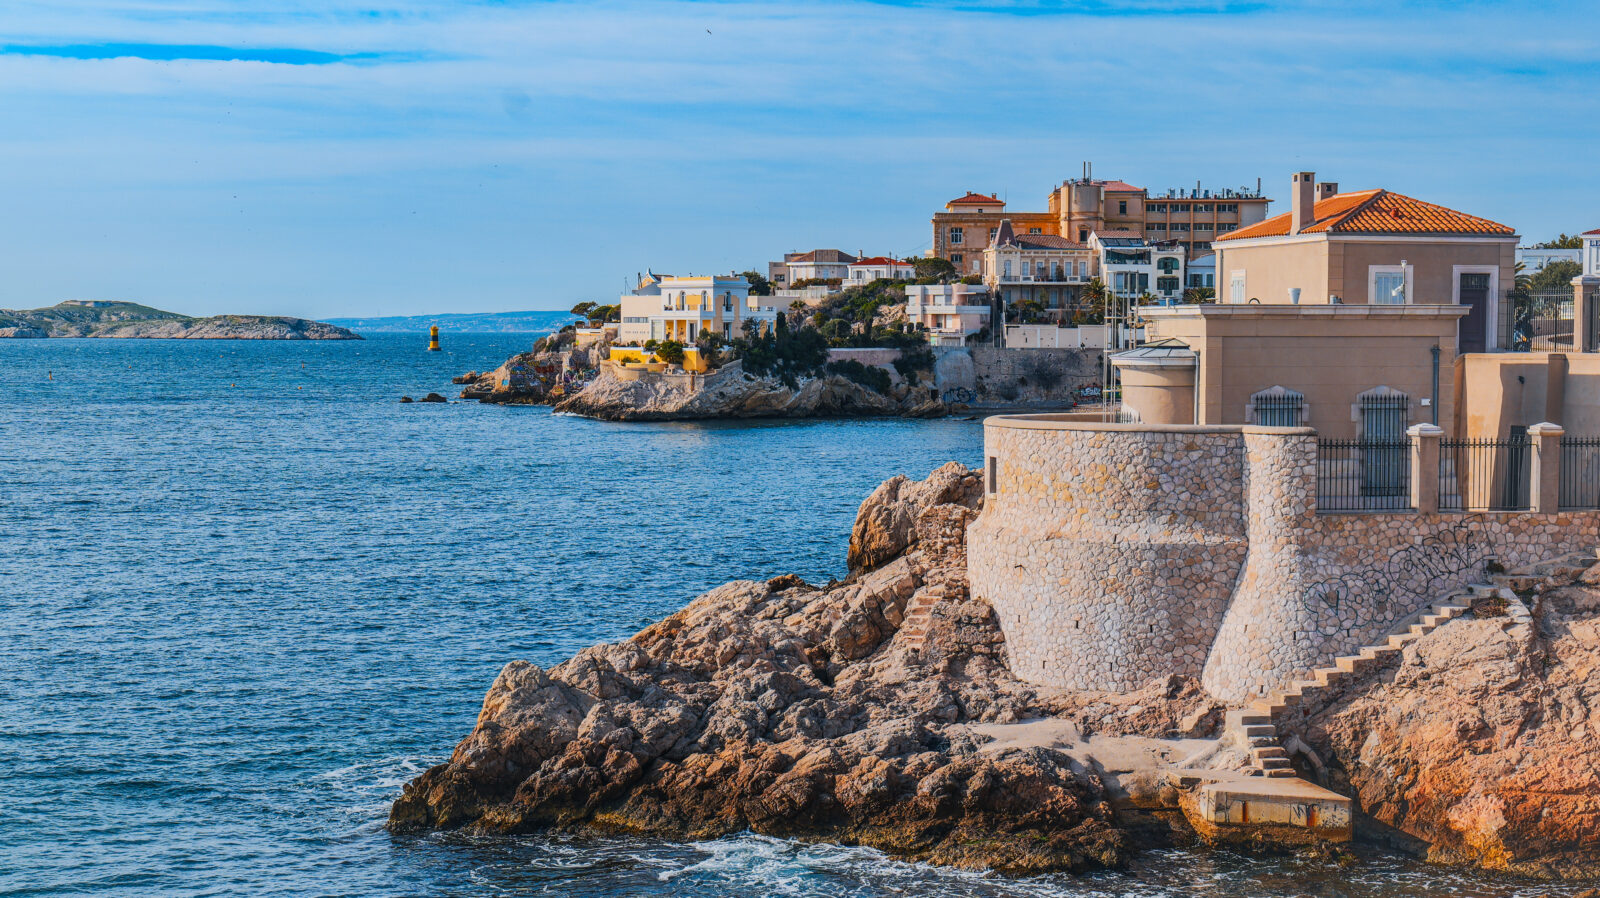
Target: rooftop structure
818,264
664,307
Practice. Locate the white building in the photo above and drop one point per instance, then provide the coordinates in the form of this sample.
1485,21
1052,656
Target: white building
819,264
950,313
663,307
1132,266
1591,253
1201,271
1534,260
865,271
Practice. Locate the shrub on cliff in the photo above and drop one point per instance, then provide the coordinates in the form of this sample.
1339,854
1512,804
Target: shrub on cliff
913,360
781,352
869,376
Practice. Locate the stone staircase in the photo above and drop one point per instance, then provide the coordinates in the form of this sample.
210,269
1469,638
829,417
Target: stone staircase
1254,725
919,612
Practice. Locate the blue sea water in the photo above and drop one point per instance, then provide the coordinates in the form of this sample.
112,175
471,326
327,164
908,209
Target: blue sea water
245,594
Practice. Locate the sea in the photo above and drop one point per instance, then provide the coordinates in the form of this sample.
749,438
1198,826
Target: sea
246,593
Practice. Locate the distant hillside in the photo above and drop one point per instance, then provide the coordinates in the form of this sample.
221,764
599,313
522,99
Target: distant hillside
94,318
541,322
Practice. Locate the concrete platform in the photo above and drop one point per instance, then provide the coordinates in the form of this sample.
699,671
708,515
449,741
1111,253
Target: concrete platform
1292,809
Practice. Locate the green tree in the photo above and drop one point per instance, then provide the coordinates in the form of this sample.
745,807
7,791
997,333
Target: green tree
933,267
1196,296
670,351
759,285
583,308
1555,277
1565,241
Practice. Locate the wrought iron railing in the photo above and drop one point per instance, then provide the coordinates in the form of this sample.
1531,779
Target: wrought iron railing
1485,475
1363,475
1543,322
1580,472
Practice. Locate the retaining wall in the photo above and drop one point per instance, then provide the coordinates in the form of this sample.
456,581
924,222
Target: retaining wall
1113,553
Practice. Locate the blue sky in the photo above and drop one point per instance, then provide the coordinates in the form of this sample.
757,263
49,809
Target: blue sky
365,158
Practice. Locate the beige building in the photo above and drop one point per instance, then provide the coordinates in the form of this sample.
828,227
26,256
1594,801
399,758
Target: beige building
1077,208
948,313
1374,247
1039,268
1349,371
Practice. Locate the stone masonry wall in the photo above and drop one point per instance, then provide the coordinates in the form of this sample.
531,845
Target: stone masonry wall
1109,556
1114,553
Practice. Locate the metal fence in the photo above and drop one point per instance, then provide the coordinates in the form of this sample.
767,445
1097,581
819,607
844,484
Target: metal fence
1580,472
1543,322
1485,475
1363,475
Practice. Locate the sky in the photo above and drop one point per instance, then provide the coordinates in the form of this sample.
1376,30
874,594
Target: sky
329,158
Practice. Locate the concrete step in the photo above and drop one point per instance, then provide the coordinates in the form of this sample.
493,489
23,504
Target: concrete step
1268,709
1242,717
1281,772
1259,731
1264,752
1268,765
1351,663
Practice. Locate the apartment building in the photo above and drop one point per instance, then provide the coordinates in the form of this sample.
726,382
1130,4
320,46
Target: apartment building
948,313
663,307
1132,266
1077,208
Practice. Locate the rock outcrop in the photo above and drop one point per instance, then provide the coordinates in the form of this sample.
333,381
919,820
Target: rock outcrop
798,710
1481,743
553,369
732,393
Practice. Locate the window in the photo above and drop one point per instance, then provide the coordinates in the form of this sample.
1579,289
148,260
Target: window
1156,226
1167,285
955,259
1202,207
1202,226
992,232
1168,265
1180,207
955,236
1223,228
1277,407
1083,235
1152,207
1236,287
1034,231
1122,207
1389,285
1383,414
1180,226
1227,207
1006,268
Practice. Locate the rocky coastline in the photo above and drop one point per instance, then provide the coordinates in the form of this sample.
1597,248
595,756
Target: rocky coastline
880,711
119,320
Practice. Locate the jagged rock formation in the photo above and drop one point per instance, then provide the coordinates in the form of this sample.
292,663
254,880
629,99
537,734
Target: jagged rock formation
76,318
797,710
532,378
1480,742
732,393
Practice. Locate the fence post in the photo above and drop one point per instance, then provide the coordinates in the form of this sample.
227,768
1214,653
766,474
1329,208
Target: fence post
1545,497
1425,467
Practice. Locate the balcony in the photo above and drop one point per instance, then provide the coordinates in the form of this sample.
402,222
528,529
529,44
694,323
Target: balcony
1060,277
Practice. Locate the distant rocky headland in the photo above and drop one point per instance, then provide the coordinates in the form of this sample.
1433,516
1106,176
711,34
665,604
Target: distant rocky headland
882,711
93,318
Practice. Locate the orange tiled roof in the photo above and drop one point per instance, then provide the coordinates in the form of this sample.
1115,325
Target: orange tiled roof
880,261
1595,232
1120,186
1376,212
973,199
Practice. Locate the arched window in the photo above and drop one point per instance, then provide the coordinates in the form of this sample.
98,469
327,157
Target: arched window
1382,414
1277,406
1167,265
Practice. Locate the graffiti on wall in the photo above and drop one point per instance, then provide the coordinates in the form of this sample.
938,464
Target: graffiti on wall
1410,577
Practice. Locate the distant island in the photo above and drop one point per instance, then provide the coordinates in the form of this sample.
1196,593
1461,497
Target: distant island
531,322
101,318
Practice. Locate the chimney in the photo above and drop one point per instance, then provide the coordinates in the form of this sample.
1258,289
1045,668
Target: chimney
1326,189
1301,201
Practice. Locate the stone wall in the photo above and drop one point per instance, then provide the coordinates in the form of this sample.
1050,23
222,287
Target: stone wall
1026,375
1114,553
1108,554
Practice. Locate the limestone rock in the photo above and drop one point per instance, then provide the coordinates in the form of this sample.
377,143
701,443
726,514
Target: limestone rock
796,710
1484,741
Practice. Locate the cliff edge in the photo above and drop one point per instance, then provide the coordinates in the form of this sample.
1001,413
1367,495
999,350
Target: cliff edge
733,393
1480,744
864,712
